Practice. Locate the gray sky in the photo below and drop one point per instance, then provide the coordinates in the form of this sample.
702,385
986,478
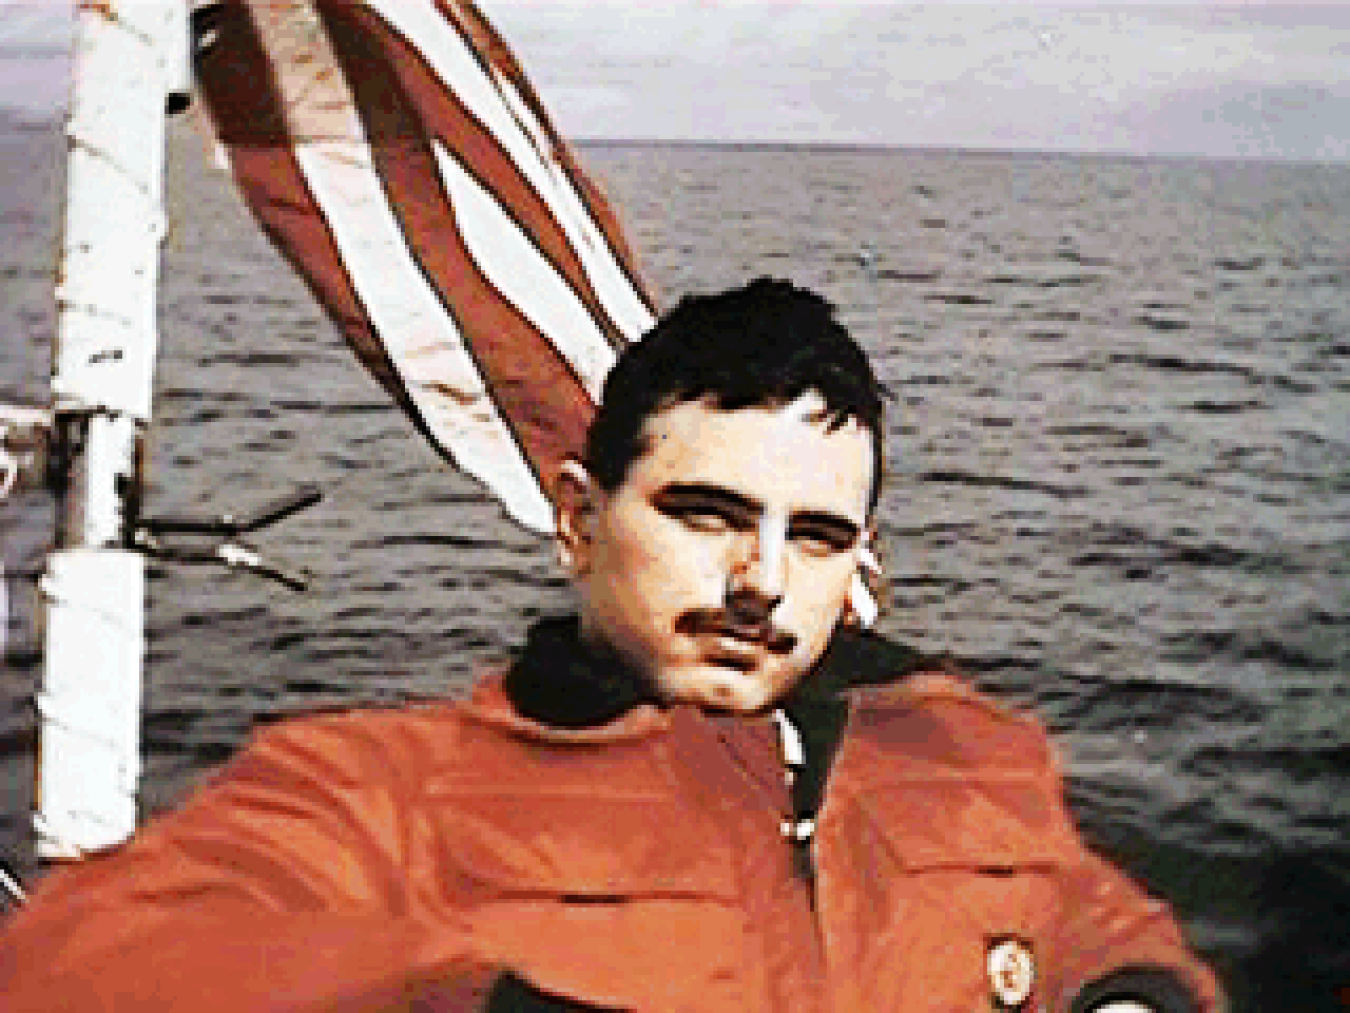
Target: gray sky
1255,79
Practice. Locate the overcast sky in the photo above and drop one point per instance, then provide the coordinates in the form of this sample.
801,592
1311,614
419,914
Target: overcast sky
1254,79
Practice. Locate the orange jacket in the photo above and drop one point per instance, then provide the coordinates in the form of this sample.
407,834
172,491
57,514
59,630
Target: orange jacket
406,859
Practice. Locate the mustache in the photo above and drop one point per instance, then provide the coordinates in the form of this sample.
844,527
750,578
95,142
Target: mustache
716,622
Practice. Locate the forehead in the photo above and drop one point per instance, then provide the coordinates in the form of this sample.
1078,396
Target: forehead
784,457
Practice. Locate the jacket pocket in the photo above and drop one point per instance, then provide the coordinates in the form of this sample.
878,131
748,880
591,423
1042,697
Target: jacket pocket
983,855
607,898
588,846
953,867
987,823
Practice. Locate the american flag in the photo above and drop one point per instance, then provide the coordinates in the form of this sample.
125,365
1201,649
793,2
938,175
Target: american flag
395,153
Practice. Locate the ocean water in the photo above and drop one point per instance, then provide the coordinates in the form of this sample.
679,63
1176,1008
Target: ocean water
1118,488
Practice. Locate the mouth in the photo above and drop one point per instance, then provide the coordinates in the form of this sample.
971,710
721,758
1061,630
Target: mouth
735,653
744,648
735,643
757,635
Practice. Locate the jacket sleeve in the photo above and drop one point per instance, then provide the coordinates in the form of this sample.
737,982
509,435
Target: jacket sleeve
1116,943
281,885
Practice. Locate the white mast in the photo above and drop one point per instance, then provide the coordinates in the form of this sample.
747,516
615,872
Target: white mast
130,56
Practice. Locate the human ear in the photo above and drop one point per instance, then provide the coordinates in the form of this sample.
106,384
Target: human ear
574,496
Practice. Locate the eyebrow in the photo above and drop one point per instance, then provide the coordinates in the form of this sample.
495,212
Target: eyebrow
835,525
693,493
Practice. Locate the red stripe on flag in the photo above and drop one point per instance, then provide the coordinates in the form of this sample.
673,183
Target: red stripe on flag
288,76
374,58
535,390
244,100
491,50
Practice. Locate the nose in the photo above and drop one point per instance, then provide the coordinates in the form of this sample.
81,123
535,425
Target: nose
758,574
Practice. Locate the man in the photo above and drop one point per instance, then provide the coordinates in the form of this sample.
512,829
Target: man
686,798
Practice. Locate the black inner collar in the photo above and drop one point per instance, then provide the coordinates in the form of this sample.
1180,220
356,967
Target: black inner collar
559,680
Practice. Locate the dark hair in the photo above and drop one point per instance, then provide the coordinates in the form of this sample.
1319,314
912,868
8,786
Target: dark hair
761,345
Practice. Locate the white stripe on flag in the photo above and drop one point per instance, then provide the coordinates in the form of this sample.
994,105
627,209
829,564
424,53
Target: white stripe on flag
444,49
516,268
620,299
423,341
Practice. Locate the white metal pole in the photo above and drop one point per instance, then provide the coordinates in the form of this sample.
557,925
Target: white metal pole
128,56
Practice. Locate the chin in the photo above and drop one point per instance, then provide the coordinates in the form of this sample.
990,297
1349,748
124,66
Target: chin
724,688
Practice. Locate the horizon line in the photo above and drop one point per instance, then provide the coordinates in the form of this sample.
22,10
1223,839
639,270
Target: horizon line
884,147
36,120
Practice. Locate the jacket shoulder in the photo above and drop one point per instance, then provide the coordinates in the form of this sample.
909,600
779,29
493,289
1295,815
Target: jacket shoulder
360,746
936,719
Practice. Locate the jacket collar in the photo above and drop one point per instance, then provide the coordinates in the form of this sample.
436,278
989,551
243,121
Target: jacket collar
559,688
559,681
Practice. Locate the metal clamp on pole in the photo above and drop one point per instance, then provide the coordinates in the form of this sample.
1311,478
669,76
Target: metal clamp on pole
148,537
227,524
25,438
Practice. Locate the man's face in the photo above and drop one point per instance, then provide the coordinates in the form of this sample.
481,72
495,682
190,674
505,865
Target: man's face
721,565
